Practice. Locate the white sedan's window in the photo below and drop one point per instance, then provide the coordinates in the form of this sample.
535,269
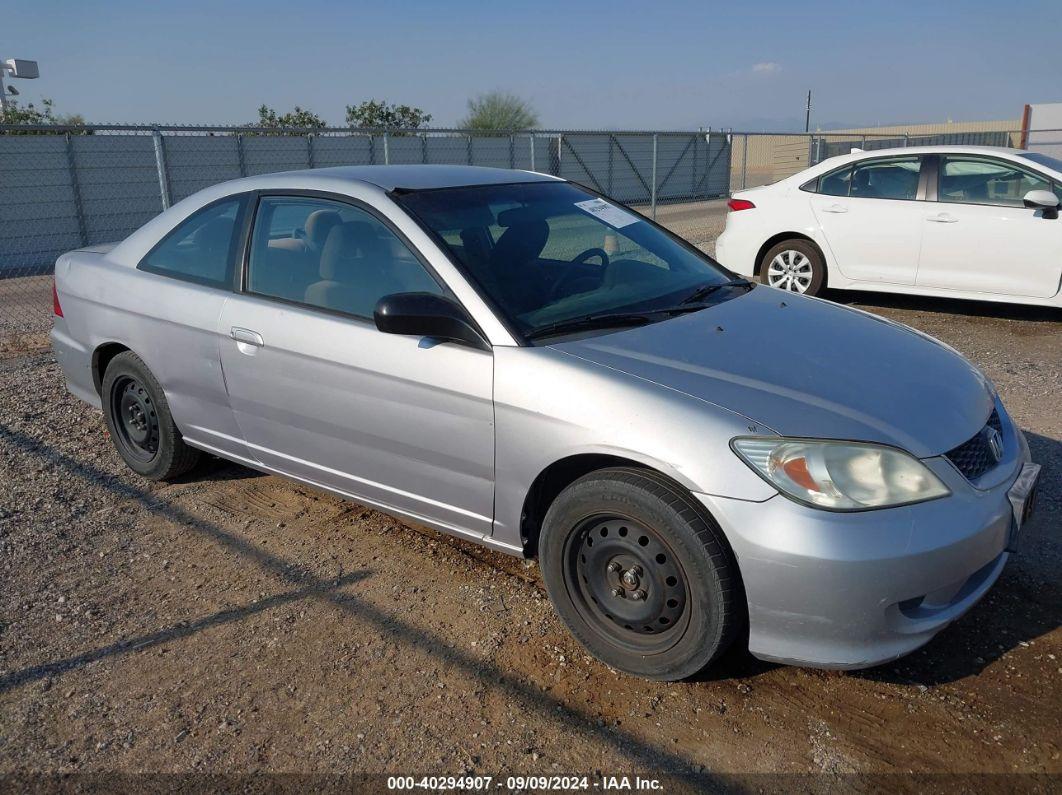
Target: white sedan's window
975,181
887,179
330,255
836,183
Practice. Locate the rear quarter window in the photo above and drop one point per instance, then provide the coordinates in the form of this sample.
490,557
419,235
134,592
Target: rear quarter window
202,248
836,183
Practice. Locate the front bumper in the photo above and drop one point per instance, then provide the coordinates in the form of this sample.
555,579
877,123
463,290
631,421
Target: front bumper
852,590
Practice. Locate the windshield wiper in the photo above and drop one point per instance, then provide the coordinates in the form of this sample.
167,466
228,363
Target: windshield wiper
602,320
613,319
707,289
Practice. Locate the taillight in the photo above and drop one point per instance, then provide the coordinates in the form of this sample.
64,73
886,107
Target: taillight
740,204
56,309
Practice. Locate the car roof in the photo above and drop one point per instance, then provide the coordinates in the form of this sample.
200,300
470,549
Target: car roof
422,177
923,150
837,161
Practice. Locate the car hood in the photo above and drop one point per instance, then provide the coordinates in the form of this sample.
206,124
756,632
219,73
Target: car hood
806,367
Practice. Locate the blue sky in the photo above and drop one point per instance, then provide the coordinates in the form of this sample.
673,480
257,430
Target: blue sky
582,64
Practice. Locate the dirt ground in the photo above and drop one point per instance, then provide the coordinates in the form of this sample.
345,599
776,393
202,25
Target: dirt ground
235,622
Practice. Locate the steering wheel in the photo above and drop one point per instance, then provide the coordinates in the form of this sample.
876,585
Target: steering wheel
573,268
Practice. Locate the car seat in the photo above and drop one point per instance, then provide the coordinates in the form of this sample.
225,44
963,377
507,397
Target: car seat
356,270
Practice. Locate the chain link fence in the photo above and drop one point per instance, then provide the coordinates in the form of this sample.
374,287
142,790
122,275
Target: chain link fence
63,188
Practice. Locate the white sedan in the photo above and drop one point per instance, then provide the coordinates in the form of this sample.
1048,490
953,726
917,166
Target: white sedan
955,221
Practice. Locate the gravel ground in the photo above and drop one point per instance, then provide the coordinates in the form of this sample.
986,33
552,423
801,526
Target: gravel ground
699,222
237,622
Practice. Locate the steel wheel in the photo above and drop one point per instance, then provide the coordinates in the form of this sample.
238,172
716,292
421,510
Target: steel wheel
790,270
137,423
640,573
627,583
139,420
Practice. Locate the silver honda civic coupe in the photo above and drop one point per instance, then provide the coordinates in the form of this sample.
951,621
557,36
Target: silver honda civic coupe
516,360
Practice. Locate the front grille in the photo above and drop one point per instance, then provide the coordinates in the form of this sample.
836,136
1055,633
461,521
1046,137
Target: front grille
974,457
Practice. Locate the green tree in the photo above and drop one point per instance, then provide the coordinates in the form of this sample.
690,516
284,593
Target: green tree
297,119
373,115
30,114
499,110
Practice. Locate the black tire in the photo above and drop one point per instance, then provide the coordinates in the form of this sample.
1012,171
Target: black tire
692,605
799,249
139,421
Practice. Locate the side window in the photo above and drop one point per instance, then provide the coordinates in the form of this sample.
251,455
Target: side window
330,255
200,249
836,183
887,179
969,180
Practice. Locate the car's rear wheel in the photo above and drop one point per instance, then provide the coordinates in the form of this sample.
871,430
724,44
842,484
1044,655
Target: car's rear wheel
139,420
640,573
795,265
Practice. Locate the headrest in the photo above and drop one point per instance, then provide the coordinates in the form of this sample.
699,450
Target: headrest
346,243
519,215
519,244
318,224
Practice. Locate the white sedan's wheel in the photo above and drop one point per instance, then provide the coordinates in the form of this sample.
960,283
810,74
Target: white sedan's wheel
790,270
795,266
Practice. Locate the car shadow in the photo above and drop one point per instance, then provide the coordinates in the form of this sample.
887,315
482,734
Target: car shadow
948,306
1024,605
305,584
214,469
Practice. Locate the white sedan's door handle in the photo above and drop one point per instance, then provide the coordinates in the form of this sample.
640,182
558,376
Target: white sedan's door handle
246,336
835,208
942,218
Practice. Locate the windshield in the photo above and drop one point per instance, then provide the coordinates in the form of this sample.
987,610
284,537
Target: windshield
1044,160
550,252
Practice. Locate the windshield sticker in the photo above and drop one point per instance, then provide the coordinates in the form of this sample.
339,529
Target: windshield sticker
609,213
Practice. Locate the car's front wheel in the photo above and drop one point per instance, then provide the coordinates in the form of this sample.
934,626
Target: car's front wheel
640,573
139,421
795,265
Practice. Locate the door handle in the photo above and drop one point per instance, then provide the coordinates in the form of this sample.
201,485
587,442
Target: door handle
835,208
942,218
245,335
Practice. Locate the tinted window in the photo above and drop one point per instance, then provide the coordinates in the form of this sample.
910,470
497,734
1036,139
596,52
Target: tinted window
970,180
549,252
200,249
886,179
329,255
836,183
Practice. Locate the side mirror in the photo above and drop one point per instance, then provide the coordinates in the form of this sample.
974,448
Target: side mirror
426,315
1042,200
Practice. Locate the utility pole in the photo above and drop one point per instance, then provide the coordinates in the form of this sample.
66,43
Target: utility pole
807,115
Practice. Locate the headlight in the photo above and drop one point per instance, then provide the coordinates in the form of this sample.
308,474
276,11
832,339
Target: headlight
840,476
